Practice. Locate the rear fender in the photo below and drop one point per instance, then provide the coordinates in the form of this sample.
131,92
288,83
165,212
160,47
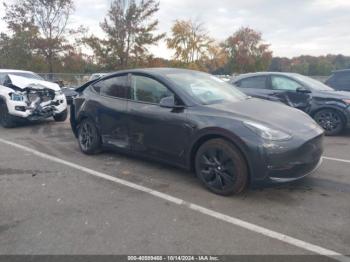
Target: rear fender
79,113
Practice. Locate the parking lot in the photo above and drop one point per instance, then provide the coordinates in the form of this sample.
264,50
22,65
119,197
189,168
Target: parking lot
55,200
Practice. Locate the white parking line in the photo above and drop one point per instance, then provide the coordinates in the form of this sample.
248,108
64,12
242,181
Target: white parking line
229,219
337,159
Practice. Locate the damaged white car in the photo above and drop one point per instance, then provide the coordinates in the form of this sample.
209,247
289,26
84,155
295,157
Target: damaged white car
26,96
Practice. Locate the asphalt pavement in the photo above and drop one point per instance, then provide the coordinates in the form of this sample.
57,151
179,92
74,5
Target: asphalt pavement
49,207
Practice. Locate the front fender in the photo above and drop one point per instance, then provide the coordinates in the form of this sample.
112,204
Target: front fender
211,133
5,93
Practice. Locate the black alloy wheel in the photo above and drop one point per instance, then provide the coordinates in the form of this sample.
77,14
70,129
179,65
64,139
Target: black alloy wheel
88,137
331,121
221,167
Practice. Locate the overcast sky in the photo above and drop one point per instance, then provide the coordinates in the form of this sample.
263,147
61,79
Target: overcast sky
296,27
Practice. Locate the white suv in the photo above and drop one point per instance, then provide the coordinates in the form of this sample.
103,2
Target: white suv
26,96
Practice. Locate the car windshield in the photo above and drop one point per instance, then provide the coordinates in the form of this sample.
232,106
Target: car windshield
23,74
206,89
28,75
313,84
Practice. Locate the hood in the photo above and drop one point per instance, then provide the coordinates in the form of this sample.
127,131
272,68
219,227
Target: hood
272,114
24,82
331,94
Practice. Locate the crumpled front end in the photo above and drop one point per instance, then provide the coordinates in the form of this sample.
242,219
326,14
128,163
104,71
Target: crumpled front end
34,100
36,104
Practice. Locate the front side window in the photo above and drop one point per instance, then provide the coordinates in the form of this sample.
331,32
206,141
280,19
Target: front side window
283,83
148,90
114,87
258,82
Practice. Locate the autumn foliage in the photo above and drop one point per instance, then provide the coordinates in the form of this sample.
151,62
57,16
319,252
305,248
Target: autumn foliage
40,38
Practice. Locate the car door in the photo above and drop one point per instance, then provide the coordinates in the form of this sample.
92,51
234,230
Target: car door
256,86
156,131
290,92
112,110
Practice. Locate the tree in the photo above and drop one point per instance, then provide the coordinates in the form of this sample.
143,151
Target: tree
16,47
216,59
280,64
129,33
246,51
340,61
190,41
51,18
47,21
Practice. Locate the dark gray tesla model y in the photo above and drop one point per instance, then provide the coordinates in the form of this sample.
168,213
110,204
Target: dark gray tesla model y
196,121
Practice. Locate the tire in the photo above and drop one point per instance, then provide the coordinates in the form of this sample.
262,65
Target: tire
61,117
88,137
6,120
331,121
221,167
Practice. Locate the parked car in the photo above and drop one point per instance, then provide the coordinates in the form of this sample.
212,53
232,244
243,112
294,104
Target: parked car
196,121
330,109
69,93
226,78
340,80
26,96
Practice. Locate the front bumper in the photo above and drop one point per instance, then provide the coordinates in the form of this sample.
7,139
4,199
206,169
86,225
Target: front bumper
294,162
308,169
282,162
44,110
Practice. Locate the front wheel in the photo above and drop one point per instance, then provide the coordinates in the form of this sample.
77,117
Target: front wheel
331,121
88,137
221,167
6,120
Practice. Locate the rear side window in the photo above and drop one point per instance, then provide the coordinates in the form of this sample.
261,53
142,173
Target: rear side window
258,82
114,87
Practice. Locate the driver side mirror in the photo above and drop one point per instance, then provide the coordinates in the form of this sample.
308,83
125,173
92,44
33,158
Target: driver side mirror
303,90
169,102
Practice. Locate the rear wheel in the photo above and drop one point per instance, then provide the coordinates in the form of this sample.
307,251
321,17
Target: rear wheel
6,120
88,137
331,121
61,117
221,167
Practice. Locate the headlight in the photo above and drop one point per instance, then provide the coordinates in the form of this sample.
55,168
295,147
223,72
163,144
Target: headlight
17,97
347,101
267,132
